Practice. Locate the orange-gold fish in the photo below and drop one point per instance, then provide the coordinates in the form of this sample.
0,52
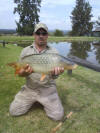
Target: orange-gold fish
44,63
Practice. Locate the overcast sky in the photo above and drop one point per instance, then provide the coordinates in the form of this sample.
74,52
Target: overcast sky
55,13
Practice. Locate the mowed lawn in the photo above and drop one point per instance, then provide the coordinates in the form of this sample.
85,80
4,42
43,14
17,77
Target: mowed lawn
79,93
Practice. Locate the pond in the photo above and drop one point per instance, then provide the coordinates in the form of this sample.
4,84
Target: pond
84,50
89,51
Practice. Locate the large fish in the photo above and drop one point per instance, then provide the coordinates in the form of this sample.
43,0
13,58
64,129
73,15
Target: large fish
43,63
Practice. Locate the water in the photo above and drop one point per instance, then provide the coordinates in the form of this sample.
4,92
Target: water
84,50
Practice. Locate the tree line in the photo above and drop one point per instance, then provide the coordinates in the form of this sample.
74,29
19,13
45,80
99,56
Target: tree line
28,11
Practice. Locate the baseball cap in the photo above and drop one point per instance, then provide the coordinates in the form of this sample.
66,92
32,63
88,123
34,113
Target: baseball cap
40,25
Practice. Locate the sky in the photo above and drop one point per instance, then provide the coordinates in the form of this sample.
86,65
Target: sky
54,13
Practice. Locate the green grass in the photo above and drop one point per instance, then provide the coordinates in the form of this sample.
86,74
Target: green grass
30,39
79,93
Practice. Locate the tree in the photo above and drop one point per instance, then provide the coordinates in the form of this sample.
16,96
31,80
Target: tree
28,15
58,33
98,22
81,18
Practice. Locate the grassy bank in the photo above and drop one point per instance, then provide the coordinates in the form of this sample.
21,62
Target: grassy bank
79,93
30,39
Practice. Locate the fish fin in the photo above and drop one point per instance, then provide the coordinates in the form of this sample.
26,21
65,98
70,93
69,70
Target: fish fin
16,66
17,71
12,64
42,77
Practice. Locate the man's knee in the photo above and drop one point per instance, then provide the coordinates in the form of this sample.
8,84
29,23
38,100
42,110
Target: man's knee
56,115
16,110
13,111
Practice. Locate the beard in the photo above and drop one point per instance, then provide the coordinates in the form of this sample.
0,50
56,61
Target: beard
42,42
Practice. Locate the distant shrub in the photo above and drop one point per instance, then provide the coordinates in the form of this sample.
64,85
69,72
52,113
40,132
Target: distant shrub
69,33
50,33
58,33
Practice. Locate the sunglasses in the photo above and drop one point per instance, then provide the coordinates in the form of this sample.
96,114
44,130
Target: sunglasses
41,33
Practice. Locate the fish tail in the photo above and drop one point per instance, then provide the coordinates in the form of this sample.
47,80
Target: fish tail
16,66
13,64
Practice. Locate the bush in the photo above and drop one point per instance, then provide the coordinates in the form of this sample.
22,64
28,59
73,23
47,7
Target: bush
58,33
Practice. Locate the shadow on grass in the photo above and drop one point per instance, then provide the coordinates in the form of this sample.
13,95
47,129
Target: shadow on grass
36,106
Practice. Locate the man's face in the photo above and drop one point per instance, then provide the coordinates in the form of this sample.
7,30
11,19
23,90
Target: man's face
41,37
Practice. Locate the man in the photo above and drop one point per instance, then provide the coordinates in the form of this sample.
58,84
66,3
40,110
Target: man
34,90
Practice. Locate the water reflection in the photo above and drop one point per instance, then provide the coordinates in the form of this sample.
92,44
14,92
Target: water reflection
97,53
80,49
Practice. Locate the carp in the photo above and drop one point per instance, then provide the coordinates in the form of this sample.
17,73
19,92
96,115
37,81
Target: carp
43,63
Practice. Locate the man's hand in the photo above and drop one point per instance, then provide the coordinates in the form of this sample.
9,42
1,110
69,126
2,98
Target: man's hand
27,70
57,70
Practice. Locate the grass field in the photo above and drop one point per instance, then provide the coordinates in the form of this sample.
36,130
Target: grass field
27,39
79,93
